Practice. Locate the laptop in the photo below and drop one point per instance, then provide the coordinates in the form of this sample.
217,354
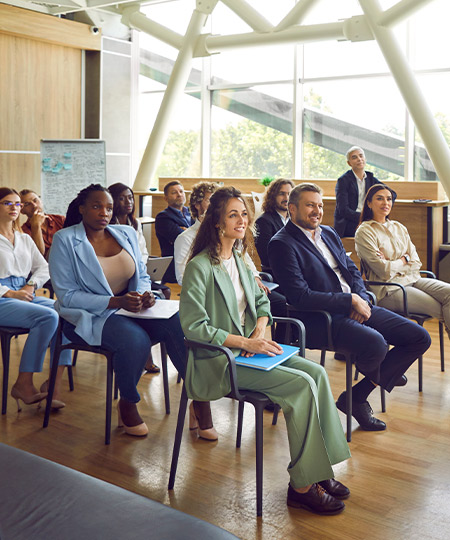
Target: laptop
157,266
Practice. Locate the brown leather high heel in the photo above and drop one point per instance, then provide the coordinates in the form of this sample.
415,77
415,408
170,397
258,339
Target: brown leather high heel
140,430
35,398
209,434
56,403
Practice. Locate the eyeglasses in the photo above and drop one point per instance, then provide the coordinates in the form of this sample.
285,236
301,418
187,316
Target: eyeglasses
10,203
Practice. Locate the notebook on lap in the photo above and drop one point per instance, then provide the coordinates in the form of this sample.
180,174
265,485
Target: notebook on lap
265,362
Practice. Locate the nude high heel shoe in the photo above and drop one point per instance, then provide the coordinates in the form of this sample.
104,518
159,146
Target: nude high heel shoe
35,398
209,434
138,430
56,403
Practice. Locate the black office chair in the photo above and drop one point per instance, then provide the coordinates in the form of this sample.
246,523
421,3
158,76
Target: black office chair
349,361
109,377
6,335
420,318
257,399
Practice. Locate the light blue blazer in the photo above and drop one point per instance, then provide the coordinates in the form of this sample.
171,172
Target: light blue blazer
79,282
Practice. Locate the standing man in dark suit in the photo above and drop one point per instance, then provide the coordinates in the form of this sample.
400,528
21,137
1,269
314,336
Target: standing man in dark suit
351,189
310,262
274,217
171,222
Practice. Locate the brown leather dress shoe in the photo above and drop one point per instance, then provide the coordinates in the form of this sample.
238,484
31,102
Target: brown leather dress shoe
335,488
315,500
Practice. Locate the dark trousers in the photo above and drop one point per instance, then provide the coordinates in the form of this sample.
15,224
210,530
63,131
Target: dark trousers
131,340
369,343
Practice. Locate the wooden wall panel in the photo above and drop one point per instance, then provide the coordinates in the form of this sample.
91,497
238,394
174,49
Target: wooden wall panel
40,89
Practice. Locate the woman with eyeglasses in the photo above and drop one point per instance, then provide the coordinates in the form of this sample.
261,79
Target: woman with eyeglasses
22,270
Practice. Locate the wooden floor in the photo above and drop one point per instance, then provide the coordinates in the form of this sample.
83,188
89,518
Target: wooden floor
399,478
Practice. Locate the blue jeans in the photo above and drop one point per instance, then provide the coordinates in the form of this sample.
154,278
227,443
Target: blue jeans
40,317
131,340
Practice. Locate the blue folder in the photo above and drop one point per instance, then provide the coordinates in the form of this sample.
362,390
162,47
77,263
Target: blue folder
265,362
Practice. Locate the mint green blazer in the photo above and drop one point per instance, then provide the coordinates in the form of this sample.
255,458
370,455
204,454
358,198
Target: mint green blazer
209,312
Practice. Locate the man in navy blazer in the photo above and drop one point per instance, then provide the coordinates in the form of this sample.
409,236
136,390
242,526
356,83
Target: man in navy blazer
171,222
273,218
316,274
351,189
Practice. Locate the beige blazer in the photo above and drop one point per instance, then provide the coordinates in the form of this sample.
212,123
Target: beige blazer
372,240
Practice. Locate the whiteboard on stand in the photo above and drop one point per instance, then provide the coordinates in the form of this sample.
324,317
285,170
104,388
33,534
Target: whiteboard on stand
67,167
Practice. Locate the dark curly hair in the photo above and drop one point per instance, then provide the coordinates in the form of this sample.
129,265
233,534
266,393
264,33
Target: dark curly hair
73,216
208,234
270,204
116,190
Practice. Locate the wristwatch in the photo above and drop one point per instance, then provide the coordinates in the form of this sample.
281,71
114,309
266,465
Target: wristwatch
407,258
32,283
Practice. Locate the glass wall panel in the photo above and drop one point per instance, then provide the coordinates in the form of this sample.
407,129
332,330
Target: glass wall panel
181,156
431,41
435,88
365,112
252,132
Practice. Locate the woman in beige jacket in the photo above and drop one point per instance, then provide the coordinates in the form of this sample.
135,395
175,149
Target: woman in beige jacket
388,254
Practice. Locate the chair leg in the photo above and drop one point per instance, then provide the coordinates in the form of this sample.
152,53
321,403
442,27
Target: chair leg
441,344
52,380
70,375
259,457
116,387
348,383
240,422
383,399
6,351
74,358
178,436
178,379
276,410
323,354
420,373
165,376
355,378
109,393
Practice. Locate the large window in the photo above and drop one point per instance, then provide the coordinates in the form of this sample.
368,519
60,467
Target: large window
345,96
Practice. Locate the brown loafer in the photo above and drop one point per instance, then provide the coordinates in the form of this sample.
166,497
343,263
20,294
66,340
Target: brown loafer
315,500
152,368
335,488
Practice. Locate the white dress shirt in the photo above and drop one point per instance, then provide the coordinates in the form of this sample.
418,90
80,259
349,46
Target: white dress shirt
320,245
21,259
361,191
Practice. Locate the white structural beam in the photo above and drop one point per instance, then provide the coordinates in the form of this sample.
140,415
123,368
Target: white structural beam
209,44
296,15
91,4
401,11
249,15
421,113
132,17
174,91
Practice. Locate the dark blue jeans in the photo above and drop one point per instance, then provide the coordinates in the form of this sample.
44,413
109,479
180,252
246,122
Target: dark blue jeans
131,340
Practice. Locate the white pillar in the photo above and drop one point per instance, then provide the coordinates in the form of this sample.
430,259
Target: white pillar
174,91
421,113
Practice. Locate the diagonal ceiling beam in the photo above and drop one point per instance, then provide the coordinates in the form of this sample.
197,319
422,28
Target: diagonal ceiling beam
401,11
249,15
296,15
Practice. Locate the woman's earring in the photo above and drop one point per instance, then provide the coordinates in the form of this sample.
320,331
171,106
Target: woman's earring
221,232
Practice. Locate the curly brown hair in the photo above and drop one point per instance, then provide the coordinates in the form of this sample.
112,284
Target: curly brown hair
198,194
208,234
270,204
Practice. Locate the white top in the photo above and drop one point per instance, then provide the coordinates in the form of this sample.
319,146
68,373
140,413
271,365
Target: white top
284,219
322,247
20,259
361,191
232,269
141,240
182,250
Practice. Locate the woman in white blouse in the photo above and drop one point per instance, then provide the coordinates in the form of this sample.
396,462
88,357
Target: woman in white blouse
388,254
22,270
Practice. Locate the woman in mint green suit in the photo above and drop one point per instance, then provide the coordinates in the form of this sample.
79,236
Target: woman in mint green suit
221,304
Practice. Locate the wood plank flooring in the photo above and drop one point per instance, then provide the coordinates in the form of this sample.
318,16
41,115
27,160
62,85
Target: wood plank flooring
399,478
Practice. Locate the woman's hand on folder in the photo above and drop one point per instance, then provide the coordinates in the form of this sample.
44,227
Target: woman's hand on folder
254,346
